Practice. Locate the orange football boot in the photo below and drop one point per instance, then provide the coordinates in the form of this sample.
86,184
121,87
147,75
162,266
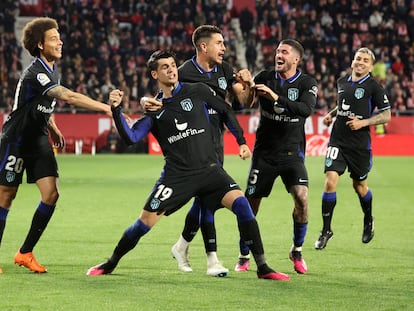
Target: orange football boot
29,261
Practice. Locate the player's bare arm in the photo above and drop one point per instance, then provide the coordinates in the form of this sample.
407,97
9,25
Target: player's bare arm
55,134
115,98
77,99
244,152
265,91
150,104
328,118
383,117
244,89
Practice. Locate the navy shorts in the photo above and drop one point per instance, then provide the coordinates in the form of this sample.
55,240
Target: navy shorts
358,161
16,158
171,192
263,174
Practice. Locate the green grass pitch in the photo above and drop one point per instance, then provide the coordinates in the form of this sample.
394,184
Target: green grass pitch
102,195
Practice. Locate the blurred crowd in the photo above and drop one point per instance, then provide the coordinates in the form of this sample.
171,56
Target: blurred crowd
107,42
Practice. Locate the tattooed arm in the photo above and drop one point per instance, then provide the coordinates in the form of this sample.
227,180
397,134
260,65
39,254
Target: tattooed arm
383,117
78,99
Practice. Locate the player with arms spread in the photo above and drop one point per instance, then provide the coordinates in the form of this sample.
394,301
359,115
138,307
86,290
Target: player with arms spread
359,95
24,142
183,131
287,97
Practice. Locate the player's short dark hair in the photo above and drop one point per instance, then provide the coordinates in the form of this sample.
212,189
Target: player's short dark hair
152,63
34,33
295,45
204,32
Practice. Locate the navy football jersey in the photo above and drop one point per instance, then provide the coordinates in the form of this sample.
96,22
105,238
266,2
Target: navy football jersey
220,79
358,99
282,132
32,106
182,127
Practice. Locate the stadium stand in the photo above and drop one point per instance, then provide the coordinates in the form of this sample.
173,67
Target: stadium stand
107,42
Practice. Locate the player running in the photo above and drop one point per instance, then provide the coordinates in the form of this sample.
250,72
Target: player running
359,96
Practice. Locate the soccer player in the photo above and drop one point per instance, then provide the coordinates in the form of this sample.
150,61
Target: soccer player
183,130
287,97
24,142
360,96
207,66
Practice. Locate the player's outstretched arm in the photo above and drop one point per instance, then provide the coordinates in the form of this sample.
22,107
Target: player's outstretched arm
139,129
77,99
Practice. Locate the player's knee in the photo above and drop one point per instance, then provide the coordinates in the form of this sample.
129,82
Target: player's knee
51,197
242,209
7,195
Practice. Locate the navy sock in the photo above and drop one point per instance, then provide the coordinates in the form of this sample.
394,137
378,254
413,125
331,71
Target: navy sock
3,217
128,241
328,205
242,215
299,233
192,221
208,230
40,220
249,229
366,205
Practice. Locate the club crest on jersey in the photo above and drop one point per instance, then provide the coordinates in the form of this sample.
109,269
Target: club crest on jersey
10,176
186,104
222,83
155,203
42,78
293,94
359,93
328,162
251,189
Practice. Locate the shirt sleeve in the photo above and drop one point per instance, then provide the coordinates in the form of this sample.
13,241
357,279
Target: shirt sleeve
134,134
226,112
305,104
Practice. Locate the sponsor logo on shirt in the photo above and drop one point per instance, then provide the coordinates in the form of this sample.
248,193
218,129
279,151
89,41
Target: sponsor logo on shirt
185,132
279,117
42,78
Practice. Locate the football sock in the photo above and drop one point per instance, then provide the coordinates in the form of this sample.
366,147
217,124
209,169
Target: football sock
192,221
208,230
249,229
366,205
127,242
244,249
40,220
3,216
328,205
299,233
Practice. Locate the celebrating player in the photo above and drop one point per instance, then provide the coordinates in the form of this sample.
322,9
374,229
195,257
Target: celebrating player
24,143
359,95
287,97
183,131
207,66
